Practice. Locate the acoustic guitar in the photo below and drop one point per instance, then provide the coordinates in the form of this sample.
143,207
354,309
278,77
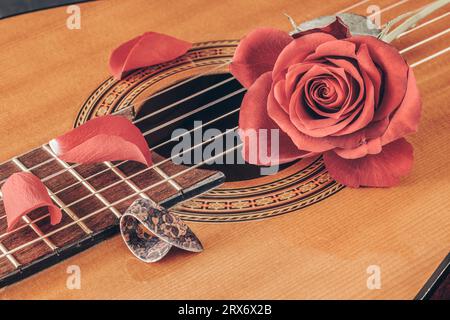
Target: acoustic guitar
295,234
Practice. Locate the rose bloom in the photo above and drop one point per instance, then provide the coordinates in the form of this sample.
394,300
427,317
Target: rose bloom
350,98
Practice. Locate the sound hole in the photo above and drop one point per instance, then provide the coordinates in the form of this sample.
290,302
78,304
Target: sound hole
208,102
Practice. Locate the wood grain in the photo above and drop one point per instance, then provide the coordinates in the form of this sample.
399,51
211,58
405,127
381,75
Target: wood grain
322,251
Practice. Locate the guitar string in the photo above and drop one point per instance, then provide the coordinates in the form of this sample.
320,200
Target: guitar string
352,6
176,102
413,65
125,161
9,252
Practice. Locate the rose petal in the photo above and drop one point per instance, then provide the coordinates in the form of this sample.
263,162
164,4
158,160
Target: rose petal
380,170
335,48
297,51
406,119
302,118
373,130
23,192
257,53
253,117
302,141
365,63
145,50
366,106
395,73
372,146
107,138
337,28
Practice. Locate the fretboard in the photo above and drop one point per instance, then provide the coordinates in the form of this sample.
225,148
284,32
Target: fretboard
92,198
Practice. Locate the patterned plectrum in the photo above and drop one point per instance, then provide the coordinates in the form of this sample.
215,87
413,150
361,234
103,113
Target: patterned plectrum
149,231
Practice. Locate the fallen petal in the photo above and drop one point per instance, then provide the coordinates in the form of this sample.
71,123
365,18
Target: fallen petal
107,138
145,50
23,192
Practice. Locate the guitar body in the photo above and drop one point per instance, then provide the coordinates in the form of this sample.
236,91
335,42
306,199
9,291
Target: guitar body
295,234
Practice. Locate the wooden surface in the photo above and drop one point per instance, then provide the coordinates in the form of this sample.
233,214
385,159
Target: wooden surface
322,251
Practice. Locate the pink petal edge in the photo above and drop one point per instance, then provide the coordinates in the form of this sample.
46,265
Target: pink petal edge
257,53
253,117
23,192
378,170
107,138
145,50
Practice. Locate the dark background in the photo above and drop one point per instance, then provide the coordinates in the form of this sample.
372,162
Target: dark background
13,7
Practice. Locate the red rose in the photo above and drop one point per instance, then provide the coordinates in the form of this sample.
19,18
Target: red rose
351,98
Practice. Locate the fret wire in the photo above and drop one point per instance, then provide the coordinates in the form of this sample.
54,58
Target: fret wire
55,198
39,232
86,184
119,201
131,184
31,168
173,183
10,257
36,229
24,225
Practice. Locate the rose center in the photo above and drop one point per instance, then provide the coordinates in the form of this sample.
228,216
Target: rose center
323,93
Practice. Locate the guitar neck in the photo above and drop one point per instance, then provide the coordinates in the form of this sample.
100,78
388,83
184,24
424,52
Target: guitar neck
92,198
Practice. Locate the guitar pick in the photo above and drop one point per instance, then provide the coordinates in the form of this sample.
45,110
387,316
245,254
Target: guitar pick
150,231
